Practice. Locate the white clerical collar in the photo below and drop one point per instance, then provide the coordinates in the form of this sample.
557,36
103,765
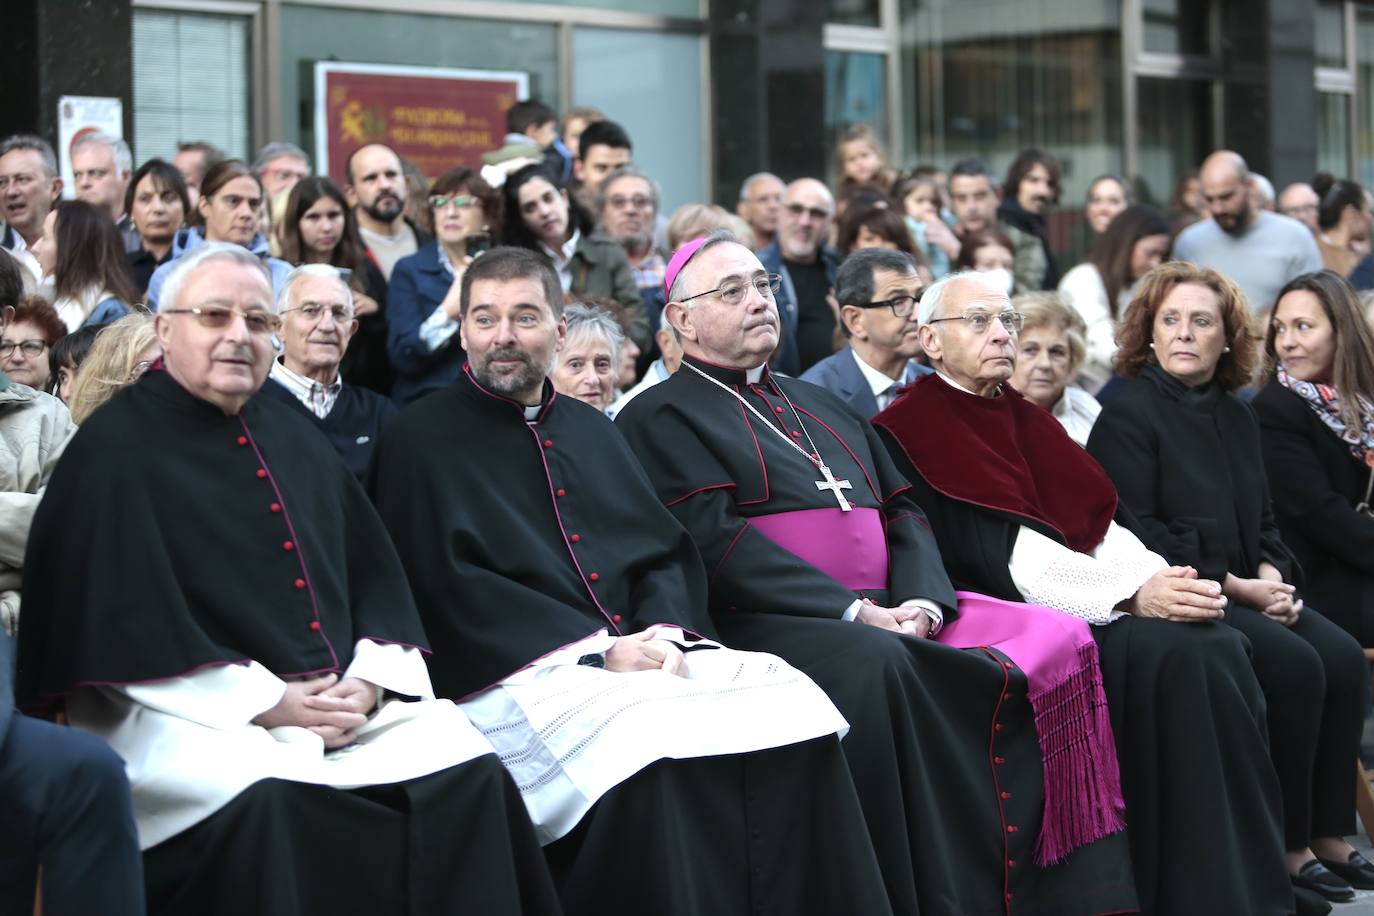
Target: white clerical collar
879,382
953,383
318,399
753,375
532,412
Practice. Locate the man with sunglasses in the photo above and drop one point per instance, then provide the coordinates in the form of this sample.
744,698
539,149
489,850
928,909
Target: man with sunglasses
239,632
878,291
317,322
817,554
802,255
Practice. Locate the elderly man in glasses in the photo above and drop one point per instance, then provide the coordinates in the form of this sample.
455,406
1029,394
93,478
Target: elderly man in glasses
878,291
1023,514
802,256
817,553
317,322
240,632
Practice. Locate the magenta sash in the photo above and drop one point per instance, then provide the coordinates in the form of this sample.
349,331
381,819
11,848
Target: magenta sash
1083,800
850,547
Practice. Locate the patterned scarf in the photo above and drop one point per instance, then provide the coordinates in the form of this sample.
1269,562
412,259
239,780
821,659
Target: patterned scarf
1326,401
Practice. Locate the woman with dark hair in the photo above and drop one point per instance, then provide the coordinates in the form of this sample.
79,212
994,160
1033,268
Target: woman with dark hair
1316,416
231,202
991,252
318,227
1181,448
66,357
1344,219
83,254
1186,205
157,202
1108,195
1032,187
877,226
26,348
542,217
1135,243
424,298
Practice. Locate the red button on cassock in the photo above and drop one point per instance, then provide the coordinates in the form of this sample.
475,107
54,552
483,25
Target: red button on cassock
575,538
275,507
615,618
262,473
594,577
999,760
1006,795
1011,829
287,545
1011,863
777,410
796,434
997,727
315,625
243,440
548,443
300,583
560,492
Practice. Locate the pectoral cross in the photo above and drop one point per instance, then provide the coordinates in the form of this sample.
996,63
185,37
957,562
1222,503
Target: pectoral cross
834,486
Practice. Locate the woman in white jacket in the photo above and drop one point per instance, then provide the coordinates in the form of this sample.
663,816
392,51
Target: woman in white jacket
1136,241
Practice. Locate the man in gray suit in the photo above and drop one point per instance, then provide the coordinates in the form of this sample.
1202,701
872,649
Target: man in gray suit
878,290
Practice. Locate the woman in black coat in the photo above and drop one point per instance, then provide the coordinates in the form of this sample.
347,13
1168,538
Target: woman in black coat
1316,418
1184,455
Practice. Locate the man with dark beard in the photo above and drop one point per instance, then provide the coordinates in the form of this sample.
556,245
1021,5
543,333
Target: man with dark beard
376,187
1259,250
664,773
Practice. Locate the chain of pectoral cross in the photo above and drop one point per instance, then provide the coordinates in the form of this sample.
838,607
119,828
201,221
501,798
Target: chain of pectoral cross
829,483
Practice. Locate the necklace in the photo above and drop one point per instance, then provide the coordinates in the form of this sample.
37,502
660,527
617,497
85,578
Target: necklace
829,483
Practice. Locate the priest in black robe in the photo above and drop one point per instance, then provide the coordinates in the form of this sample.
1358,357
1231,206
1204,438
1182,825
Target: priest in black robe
208,588
815,552
1022,513
569,608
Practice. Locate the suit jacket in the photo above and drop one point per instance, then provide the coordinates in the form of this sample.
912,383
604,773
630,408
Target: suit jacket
419,283
840,373
788,358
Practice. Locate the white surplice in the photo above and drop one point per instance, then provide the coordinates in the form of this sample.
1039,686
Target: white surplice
189,745
569,733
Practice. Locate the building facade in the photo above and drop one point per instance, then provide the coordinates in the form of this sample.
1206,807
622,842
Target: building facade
713,90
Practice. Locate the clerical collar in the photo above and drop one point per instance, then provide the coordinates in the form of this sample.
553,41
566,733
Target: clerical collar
728,374
953,384
532,412
318,398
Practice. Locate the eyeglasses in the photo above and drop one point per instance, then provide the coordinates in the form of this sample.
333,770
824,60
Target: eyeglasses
29,348
816,212
257,321
902,306
314,311
733,293
461,201
620,202
979,322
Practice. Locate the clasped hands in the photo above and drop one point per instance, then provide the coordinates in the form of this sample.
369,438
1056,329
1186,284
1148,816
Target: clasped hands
908,619
1267,593
641,652
1177,594
331,708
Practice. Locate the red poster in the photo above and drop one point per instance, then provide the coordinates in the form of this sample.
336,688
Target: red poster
432,117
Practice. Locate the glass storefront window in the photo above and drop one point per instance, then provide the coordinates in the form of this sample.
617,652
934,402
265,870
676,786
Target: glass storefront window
1176,26
1175,134
855,93
1330,34
1333,133
1364,95
190,82
668,138
853,12
310,34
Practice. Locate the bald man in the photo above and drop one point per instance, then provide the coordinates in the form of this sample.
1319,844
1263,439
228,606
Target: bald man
801,255
1301,202
1258,249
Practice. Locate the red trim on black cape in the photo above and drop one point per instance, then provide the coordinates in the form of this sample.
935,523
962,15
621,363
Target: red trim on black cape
1003,453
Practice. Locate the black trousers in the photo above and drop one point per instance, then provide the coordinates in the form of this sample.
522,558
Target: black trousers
1316,685
64,805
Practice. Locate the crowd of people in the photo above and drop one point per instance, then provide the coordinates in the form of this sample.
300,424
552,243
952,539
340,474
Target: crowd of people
500,543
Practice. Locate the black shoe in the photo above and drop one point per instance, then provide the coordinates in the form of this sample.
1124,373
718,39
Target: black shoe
1357,871
1317,877
1310,903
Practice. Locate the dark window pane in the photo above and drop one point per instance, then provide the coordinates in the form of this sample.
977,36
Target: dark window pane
852,12
1330,28
1176,26
1175,133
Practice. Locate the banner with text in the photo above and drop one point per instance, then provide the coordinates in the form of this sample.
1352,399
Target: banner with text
435,118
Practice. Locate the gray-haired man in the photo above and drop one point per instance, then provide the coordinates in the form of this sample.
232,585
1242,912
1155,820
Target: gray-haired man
101,167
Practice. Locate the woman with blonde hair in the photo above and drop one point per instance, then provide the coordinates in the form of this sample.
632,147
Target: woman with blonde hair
120,355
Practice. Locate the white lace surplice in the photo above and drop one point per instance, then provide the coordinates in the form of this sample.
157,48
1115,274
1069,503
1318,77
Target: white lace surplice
1086,586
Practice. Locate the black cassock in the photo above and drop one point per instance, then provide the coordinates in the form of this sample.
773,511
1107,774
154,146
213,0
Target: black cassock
1187,713
173,538
523,534
942,743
